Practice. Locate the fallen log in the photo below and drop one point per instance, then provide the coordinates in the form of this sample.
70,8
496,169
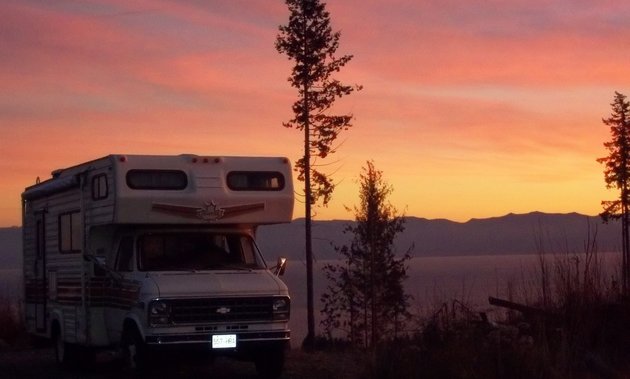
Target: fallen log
526,310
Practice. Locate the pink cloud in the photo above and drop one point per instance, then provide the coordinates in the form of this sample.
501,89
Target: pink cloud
102,66
518,43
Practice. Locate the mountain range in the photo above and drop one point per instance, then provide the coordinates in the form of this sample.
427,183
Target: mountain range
509,234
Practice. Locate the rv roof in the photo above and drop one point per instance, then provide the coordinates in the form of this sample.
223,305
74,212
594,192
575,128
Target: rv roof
180,189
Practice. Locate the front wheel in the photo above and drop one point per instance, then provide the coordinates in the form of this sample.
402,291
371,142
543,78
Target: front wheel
134,351
66,354
270,363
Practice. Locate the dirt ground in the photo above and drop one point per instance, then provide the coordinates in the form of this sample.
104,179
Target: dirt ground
40,363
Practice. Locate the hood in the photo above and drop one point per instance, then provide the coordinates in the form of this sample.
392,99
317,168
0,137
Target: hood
218,283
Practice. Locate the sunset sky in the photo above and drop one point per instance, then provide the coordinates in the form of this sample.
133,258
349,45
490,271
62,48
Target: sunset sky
470,108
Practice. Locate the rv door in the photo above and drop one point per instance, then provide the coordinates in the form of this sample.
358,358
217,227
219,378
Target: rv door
40,272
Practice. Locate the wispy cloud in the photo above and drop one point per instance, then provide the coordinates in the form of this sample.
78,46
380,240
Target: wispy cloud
512,43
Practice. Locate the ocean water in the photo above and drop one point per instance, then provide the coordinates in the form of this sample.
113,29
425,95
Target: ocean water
431,281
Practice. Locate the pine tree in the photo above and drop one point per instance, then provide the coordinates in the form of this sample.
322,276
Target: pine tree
365,294
309,41
617,175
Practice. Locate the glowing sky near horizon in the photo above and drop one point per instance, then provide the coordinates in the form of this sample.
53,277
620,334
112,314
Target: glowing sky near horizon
470,108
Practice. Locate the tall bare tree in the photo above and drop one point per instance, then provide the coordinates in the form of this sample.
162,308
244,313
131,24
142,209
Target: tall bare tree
617,176
308,40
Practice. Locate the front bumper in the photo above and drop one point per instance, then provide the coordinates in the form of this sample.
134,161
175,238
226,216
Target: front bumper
249,345
205,338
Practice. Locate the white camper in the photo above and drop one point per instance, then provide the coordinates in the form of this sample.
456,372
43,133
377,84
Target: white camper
157,253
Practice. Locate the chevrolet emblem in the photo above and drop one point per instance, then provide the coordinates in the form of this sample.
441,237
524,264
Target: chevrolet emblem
223,310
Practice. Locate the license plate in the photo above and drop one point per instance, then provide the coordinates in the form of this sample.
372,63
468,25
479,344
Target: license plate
225,341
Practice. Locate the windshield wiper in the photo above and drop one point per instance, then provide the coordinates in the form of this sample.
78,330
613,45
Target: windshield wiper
233,267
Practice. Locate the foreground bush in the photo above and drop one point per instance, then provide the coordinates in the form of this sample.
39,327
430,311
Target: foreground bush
456,343
470,347
11,326
571,322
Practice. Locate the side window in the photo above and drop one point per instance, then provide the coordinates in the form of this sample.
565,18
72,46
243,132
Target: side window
255,181
124,257
169,180
70,232
99,187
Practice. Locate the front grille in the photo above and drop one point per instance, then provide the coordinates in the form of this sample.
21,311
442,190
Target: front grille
192,311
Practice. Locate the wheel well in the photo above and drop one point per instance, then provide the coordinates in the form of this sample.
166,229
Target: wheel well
55,329
129,325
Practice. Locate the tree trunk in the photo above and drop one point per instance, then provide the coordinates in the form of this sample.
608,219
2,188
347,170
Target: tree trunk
366,299
310,306
625,245
373,310
350,298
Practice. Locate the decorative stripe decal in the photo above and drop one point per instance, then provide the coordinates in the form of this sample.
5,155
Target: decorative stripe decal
100,292
35,291
242,209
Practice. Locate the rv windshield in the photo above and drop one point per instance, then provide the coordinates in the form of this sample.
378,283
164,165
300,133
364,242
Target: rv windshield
184,251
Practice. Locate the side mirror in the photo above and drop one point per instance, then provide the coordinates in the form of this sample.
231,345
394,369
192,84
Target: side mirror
100,267
280,266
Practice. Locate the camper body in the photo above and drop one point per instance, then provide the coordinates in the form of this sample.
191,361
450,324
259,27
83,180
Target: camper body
152,253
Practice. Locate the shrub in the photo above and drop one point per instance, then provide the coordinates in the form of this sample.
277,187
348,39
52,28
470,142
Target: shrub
11,325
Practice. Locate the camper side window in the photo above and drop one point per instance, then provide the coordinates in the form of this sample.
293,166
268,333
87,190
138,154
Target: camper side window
157,180
70,232
124,258
255,181
99,187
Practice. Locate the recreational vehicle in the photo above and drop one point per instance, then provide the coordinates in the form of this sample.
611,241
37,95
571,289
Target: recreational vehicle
146,254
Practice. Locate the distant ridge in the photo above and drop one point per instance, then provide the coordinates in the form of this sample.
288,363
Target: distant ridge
509,234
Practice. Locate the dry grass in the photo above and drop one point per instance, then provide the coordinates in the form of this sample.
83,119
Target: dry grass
12,329
332,363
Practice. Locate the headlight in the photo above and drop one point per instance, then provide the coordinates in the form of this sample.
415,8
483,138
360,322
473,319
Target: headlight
159,307
281,307
159,313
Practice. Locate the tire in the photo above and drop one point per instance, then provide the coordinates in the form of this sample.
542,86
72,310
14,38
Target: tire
270,363
135,356
66,354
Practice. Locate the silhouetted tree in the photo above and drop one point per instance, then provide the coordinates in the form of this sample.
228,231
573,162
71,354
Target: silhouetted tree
365,294
617,175
309,41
